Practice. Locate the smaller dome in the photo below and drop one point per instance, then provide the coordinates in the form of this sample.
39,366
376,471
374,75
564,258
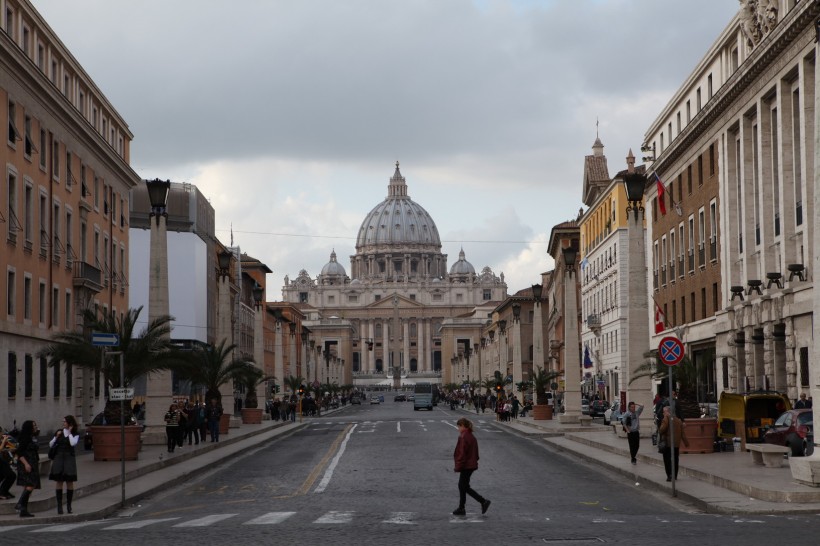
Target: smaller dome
462,266
333,268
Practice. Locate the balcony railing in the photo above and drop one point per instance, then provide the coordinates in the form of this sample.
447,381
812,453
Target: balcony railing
87,276
594,322
713,249
691,261
701,254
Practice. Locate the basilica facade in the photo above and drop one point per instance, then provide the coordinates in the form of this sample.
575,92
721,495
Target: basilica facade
382,324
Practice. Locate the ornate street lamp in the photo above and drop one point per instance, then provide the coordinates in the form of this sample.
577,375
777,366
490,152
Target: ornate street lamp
158,195
516,310
570,253
536,291
224,258
258,293
634,184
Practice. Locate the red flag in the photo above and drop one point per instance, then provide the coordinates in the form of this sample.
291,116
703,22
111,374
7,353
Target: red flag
660,319
661,195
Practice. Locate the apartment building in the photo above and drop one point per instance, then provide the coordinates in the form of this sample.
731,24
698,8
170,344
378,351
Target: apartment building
63,215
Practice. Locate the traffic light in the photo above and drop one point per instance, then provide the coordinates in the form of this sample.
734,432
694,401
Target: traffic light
498,389
276,387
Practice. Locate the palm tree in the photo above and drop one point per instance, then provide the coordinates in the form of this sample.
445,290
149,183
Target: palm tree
213,367
251,378
541,381
685,376
145,353
488,384
294,383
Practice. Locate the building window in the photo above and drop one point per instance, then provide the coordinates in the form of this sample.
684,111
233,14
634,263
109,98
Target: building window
377,297
804,367
28,376
55,310
55,160
28,224
11,391
68,321
27,298
488,294
798,159
42,302
10,293
56,379
43,377
69,381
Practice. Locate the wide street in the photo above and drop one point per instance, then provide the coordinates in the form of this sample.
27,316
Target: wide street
384,473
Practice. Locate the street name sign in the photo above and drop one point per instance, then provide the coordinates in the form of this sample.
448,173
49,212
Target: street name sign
119,394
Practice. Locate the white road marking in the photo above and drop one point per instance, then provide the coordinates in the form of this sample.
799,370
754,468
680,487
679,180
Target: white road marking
137,524
466,519
398,426
207,520
271,518
400,518
65,527
334,517
329,472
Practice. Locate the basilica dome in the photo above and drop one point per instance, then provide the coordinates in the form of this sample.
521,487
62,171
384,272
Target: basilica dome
333,268
462,266
398,220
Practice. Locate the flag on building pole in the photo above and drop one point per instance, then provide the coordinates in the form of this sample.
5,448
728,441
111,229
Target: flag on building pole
661,195
584,263
660,319
587,359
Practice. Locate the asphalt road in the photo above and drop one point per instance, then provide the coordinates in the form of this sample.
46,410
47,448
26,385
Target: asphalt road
383,474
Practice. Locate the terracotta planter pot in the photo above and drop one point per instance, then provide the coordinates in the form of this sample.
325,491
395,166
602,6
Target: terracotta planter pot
701,435
224,423
251,416
108,443
542,412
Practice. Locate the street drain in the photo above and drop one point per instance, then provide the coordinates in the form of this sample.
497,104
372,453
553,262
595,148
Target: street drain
573,540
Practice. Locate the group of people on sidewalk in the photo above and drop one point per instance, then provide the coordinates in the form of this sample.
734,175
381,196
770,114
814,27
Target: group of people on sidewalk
192,421
671,431
21,449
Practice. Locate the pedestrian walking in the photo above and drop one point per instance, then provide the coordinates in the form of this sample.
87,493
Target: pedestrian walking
632,427
64,464
7,476
214,415
668,445
28,465
466,462
172,427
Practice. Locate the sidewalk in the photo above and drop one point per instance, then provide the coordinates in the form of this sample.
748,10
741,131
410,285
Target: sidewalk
98,491
725,483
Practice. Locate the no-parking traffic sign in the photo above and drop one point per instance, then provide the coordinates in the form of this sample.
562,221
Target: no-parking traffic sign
670,349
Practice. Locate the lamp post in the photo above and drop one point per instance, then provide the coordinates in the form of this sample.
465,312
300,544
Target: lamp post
258,292
158,389
639,390
572,358
537,329
502,347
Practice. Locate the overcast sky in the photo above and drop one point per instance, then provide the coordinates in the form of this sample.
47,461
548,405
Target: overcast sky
290,115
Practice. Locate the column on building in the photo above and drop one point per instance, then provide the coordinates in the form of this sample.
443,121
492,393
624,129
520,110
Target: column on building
292,368
420,345
385,345
278,357
517,372
405,346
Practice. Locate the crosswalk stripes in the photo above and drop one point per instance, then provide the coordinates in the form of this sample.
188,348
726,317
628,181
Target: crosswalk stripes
62,528
271,518
336,517
137,524
400,518
205,521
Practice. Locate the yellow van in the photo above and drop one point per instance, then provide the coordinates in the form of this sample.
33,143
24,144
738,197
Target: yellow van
758,410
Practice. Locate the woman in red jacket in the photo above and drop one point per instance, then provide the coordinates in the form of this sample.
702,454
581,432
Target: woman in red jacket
466,462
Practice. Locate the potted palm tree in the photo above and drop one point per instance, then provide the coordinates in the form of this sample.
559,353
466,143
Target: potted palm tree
143,353
251,378
212,367
700,431
541,382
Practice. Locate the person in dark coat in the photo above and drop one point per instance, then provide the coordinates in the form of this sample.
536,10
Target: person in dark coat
466,462
64,465
28,465
7,476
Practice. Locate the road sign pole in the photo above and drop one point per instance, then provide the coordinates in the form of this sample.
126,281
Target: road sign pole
671,445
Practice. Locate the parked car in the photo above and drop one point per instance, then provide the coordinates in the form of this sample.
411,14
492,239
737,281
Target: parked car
585,407
411,397
613,413
598,407
400,398
375,399
356,400
793,429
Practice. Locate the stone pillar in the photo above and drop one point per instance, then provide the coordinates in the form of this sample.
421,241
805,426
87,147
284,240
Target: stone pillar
517,371
292,368
537,338
421,346
278,356
572,355
259,351
639,390
405,346
385,346
158,385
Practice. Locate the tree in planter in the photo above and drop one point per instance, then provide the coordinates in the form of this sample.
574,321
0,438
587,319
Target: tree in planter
251,378
541,382
148,352
213,367
685,376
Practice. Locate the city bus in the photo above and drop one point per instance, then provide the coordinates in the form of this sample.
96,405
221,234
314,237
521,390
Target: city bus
423,396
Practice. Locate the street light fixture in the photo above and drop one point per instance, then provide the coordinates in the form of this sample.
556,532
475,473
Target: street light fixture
634,184
158,195
570,253
258,293
536,291
224,258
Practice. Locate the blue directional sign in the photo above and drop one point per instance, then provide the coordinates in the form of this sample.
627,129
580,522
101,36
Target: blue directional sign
104,339
670,349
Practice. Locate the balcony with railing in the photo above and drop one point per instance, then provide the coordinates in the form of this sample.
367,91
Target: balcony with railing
713,248
691,261
87,276
594,322
701,254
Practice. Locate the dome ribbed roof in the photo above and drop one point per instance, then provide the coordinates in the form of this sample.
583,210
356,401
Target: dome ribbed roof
333,268
462,266
398,220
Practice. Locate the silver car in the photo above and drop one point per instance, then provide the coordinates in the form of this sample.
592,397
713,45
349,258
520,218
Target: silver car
613,413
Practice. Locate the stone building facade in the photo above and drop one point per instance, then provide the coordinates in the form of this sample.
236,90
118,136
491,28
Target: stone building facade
740,132
383,324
